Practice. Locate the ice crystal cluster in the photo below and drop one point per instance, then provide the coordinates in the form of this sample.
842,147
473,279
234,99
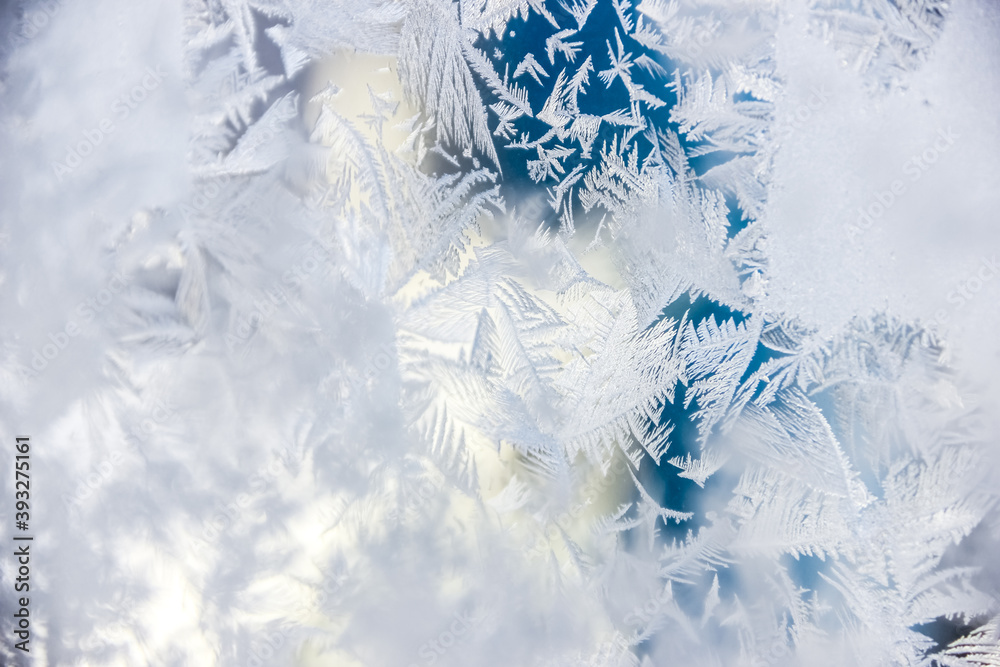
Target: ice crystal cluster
502,332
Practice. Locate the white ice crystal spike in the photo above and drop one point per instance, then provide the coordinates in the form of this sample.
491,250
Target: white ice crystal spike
635,103
706,549
532,67
715,359
797,367
435,73
455,410
872,369
192,296
884,41
699,470
602,410
780,515
392,191
557,44
622,9
705,110
793,436
515,495
650,513
683,247
898,570
485,16
580,10
937,508
981,648
712,601
510,93
449,451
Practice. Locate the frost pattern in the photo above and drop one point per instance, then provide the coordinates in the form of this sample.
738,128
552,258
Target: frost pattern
457,384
